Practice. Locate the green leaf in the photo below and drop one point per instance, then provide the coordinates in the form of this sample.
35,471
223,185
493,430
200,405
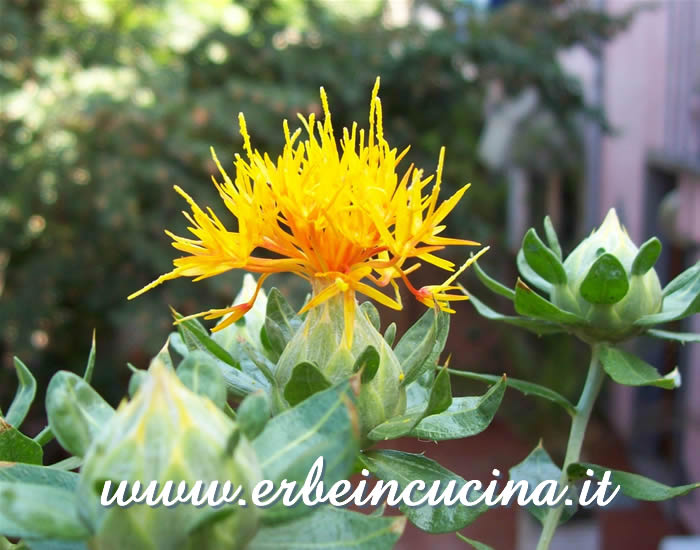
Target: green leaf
56,545
306,380
372,314
38,475
542,260
28,475
90,367
440,397
186,331
24,397
406,467
368,363
646,257
281,322
177,344
417,392
466,416
196,336
265,341
29,510
632,485
492,284
253,414
681,337
685,280
70,463
552,238
137,378
537,326
606,281
239,383
163,357
421,345
331,528
474,543
199,373
529,274
379,510
76,412
535,469
17,447
415,346
439,400
630,370
681,299
263,364
523,386
390,334
324,425
531,304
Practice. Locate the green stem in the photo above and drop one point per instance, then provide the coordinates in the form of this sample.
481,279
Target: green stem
5,544
591,389
44,437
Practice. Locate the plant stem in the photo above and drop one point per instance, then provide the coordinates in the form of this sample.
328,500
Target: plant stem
591,389
44,437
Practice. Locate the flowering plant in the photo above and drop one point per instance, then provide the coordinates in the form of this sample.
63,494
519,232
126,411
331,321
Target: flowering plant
321,382
605,292
269,390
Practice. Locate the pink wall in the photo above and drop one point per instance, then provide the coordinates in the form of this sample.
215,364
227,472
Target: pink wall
634,86
637,77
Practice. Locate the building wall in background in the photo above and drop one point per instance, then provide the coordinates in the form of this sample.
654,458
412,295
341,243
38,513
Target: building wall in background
634,77
651,76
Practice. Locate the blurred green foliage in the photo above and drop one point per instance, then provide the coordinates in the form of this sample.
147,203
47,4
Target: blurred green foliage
105,104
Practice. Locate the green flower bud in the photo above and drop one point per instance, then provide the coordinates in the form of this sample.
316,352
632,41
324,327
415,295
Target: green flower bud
605,285
167,433
320,340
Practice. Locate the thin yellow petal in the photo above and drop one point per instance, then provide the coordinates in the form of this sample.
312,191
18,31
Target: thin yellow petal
376,295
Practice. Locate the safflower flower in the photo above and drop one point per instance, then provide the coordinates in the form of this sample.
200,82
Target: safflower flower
338,216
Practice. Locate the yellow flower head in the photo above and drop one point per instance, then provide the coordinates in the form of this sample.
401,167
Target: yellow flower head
335,213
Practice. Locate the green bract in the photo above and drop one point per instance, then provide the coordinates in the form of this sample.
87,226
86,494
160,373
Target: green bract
166,432
603,288
606,290
319,343
396,391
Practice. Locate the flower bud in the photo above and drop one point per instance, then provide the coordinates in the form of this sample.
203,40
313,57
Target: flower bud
605,287
168,433
320,340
